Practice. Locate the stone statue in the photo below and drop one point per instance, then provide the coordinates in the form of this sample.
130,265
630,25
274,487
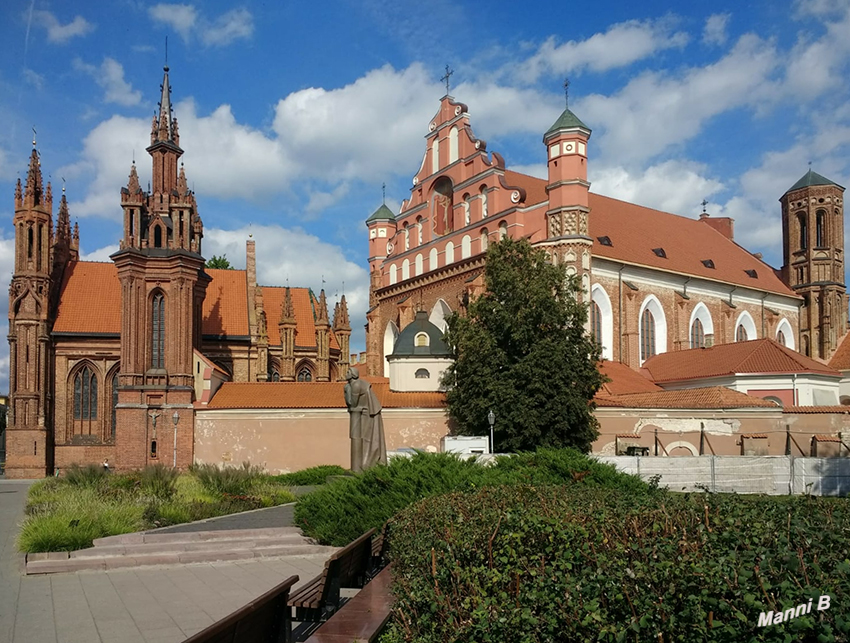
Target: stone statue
368,446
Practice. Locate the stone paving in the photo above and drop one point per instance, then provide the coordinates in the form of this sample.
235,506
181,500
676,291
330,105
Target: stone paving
145,605
281,516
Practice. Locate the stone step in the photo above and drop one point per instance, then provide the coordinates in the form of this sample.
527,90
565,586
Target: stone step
193,536
56,562
190,545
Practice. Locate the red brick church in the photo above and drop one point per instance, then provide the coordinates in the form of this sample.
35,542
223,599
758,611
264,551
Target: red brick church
108,359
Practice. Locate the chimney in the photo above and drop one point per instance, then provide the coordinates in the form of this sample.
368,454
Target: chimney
724,225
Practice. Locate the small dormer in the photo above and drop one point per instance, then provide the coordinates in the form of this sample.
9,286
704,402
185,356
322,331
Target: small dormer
419,358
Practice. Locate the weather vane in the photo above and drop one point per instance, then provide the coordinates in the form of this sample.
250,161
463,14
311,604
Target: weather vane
384,193
63,185
567,92
447,77
33,138
703,204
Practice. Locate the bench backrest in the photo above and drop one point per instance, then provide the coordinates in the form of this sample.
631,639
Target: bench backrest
347,567
265,619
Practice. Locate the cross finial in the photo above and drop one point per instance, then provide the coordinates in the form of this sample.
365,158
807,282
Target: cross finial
703,204
343,287
33,138
323,281
166,53
447,77
567,92
384,193
63,185
810,163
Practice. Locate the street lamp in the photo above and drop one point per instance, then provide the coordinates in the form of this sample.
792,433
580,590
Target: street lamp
491,418
175,418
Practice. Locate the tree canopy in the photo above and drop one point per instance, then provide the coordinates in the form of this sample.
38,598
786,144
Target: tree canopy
522,350
219,262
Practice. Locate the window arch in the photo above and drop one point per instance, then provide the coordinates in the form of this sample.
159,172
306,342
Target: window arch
305,374
393,274
157,236
600,298
820,229
595,322
405,269
804,241
439,313
450,253
435,155
467,216
418,267
785,333
484,239
503,229
419,231
406,237
745,328
421,340
484,205
653,328
453,154
701,327
422,374
158,331
433,259
465,247
85,401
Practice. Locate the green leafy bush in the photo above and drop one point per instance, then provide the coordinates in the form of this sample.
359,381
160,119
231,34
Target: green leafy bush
548,564
89,475
342,510
312,476
232,480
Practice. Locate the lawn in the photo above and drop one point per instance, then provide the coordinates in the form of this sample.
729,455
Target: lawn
68,513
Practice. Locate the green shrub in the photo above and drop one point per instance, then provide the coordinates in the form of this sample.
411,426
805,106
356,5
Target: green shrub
159,481
312,476
87,476
342,510
548,564
232,480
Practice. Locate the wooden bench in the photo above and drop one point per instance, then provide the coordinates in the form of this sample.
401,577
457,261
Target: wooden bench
363,617
347,568
265,619
380,548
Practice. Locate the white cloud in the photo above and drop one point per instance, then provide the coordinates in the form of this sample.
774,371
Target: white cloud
59,33
819,65
186,20
110,77
671,186
322,200
101,254
714,32
180,17
621,45
34,79
657,110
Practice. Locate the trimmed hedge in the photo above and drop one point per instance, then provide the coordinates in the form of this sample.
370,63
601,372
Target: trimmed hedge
312,476
527,563
342,510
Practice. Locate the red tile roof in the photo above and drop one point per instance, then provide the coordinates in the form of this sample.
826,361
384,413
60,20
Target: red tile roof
841,360
312,395
827,438
713,397
756,356
89,299
817,409
226,303
304,302
624,379
635,230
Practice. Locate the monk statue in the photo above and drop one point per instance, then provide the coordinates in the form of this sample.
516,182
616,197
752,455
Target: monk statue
368,447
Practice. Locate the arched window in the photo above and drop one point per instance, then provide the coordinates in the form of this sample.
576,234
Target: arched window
820,229
421,340
158,331
453,145
503,229
29,242
465,247
85,402
405,269
450,253
393,274
484,202
304,375
442,206
422,374
157,237
606,320
484,239
435,155
697,334
647,335
595,322
467,217
785,333
804,241
419,230
745,328
418,264
275,376
433,259
406,237
741,334
115,384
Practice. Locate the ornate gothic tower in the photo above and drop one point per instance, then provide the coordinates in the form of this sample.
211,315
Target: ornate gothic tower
323,328
163,284
342,330
567,217
287,328
813,253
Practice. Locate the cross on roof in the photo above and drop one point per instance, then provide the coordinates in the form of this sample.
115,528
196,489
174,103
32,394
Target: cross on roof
703,204
567,92
446,78
384,193
33,138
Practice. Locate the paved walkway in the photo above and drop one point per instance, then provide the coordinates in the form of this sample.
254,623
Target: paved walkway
281,516
145,605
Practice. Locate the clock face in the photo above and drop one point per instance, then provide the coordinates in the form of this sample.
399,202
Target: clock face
389,247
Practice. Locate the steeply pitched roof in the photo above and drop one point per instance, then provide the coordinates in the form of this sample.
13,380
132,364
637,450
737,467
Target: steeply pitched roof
89,299
226,304
756,356
841,359
381,214
303,302
567,120
712,397
313,395
624,379
635,231
809,179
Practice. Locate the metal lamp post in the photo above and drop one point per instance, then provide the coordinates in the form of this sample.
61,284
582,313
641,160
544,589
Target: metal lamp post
175,418
491,418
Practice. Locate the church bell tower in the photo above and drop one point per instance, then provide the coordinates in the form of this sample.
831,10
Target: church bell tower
163,285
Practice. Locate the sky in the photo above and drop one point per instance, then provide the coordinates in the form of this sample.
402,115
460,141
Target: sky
293,114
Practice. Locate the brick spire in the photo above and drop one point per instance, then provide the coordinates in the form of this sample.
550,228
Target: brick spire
341,321
34,192
322,312
287,313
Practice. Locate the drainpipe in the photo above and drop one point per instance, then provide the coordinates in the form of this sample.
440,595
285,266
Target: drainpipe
794,387
620,310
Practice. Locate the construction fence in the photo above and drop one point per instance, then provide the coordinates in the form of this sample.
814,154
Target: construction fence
774,475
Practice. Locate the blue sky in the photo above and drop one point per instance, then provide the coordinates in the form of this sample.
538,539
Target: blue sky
292,114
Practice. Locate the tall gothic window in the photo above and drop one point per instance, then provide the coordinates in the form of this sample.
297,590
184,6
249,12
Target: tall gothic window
85,401
158,332
275,376
595,322
647,335
114,402
304,375
804,236
697,335
820,231
780,337
741,334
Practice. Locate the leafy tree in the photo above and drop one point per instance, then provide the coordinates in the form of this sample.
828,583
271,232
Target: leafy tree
219,262
522,351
